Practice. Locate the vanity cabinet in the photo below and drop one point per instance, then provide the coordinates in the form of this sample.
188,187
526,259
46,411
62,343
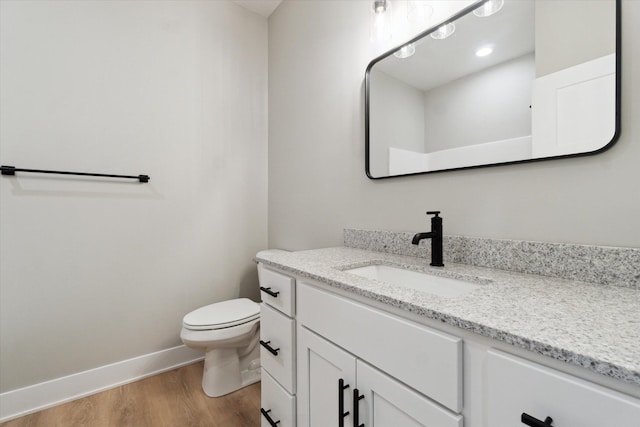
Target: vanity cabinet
358,365
278,348
342,362
338,389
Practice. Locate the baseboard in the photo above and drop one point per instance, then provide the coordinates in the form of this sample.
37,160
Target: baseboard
23,401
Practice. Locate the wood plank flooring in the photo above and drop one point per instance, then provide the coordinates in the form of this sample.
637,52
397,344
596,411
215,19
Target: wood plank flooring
174,398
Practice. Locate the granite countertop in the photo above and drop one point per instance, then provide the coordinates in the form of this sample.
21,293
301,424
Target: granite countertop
593,326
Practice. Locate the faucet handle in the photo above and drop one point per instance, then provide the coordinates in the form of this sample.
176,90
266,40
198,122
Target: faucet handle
436,213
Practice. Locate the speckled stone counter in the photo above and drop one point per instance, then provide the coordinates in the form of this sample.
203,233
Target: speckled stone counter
587,263
595,326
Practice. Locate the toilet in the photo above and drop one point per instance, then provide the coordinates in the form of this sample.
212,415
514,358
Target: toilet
228,332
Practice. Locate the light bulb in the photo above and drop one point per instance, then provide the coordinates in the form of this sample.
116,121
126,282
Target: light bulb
381,20
405,51
444,31
489,8
380,6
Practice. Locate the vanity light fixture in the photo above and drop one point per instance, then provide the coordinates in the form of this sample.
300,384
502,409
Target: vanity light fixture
484,51
489,8
444,31
406,51
380,6
381,20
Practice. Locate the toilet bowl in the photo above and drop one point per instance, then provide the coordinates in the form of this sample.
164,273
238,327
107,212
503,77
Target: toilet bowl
228,333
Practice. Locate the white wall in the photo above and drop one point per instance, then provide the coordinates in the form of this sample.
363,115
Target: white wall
94,272
318,52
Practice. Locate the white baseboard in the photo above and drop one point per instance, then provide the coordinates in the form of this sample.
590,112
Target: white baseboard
23,401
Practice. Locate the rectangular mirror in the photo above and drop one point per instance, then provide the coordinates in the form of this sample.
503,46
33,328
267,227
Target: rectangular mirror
514,81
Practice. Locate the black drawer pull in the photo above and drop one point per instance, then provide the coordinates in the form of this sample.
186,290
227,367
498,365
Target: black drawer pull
534,422
341,414
269,291
268,417
272,350
356,408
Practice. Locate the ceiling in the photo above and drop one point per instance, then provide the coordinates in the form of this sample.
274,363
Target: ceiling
261,7
437,62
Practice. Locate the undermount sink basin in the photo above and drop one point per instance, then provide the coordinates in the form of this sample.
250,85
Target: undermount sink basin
438,285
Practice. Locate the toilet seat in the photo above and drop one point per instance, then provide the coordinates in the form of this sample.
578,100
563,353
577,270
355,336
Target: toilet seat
222,315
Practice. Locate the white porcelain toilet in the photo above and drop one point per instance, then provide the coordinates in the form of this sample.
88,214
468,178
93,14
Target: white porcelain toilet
228,332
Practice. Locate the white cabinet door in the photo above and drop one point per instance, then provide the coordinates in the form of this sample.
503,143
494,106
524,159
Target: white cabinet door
386,402
321,366
516,387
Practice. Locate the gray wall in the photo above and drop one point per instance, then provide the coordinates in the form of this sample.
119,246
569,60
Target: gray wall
587,29
490,105
95,272
318,52
397,119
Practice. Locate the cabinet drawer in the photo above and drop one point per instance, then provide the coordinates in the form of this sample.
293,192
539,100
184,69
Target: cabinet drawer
516,386
276,404
425,359
277,290
277,333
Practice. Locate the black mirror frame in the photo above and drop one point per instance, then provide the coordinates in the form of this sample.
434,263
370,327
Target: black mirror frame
463,12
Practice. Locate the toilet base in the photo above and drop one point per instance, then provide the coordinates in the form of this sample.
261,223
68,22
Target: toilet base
250,376
222,371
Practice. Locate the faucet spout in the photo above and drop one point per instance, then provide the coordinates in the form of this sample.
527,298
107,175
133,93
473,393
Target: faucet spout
436,239
422,236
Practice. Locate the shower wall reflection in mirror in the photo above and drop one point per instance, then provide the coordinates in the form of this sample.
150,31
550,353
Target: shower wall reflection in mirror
535,80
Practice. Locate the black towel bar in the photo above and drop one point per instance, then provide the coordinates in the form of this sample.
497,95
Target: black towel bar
11,170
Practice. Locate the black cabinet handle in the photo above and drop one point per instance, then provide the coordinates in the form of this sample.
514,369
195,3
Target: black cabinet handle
341,414
272,350
268,417
534,422
356,408
269,291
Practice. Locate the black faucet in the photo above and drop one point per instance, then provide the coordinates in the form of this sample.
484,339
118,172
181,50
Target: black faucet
436,239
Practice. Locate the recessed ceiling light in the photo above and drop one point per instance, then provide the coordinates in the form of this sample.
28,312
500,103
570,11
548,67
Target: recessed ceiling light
484,51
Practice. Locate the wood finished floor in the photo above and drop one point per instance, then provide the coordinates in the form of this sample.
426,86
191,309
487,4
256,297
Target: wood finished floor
173,398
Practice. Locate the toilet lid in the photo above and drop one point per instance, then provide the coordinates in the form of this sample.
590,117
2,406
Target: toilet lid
222,314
